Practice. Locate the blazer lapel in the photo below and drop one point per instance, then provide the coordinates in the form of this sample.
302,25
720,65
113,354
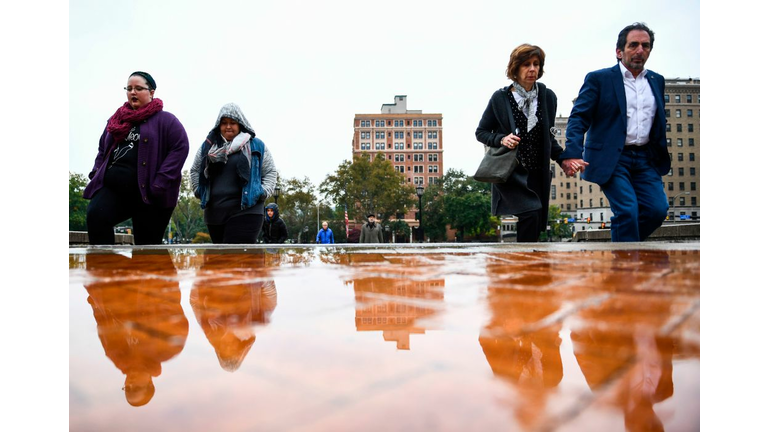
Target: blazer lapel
621,95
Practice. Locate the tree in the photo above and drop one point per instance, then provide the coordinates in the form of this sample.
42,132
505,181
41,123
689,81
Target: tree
467,204
187,218
297,205
364,186
558,228
77,204
434,218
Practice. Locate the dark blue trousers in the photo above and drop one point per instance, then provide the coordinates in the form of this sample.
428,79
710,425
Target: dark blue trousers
636,194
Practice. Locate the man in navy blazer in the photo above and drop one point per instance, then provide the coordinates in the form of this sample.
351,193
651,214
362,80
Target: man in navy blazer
621,110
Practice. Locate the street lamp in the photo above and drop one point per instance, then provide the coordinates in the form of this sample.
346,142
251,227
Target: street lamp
419,193
276,194
674,202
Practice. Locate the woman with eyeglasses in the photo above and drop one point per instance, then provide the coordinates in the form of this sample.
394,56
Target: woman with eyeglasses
137,173
521,117
233,174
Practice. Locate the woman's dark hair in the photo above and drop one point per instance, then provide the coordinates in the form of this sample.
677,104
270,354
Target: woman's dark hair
521,55
621,42
147,77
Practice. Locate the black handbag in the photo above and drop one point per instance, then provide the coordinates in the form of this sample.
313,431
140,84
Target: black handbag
497,165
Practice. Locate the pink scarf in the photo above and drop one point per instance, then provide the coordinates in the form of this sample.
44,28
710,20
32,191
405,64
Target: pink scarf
121,122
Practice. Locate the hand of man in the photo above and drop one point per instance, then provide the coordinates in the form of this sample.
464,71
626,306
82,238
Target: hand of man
572,166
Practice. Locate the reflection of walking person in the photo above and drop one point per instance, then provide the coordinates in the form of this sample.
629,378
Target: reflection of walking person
229,304
621,111
140,320
521,117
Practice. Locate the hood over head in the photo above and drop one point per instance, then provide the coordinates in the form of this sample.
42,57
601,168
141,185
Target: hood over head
233,111
274,207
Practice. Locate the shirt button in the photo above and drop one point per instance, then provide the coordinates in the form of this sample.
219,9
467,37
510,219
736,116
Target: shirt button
146,139
144,163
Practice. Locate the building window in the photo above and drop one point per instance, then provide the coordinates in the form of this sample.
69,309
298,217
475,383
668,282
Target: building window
688,98
432,146
691,157
679,142
682,186
693,202
679,157
679,127
666,113
418,135
689,113
678,114
418,158
669,127
432,157
682,200
690,127
365,123
433,168
365,135
681,171
666,98
418,168
677,98
418,180
601,205
553,192
693,186
690,142
418,123
693,171
669,140
670,186
418,146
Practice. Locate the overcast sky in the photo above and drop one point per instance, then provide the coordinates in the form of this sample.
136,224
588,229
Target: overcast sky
301,70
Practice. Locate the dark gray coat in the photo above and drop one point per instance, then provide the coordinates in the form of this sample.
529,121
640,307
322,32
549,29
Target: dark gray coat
514,197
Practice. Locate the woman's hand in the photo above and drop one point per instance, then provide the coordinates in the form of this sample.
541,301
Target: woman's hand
510,141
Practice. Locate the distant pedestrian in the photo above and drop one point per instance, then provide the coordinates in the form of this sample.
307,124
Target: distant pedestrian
325,235
372,232
274,229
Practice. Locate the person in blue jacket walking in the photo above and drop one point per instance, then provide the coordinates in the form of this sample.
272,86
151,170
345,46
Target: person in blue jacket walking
325,235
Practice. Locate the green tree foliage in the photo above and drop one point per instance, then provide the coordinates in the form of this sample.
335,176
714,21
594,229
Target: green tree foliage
434,218
187,218
298,209
558,228
364,186
467,204
77,204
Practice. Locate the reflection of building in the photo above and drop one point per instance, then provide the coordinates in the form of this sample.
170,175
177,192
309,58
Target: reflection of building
394,306
582,199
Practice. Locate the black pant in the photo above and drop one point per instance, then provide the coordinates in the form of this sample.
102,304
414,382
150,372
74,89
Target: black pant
529,224
108,208
243,229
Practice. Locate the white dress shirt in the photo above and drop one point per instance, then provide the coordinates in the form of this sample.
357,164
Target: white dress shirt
641,106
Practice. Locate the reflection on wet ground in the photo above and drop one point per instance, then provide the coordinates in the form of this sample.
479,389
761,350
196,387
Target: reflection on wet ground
443,338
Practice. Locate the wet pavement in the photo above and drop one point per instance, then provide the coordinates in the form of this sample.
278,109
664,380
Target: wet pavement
561,337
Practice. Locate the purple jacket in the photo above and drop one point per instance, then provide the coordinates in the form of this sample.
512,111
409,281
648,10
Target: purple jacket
163,150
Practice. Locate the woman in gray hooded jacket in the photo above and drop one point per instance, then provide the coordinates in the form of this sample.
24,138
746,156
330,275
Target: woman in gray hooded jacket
233,174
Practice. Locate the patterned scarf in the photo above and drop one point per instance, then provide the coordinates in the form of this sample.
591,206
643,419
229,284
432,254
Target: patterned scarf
121,122
526,105
218,154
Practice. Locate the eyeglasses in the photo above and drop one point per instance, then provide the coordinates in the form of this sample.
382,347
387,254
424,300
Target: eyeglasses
137,88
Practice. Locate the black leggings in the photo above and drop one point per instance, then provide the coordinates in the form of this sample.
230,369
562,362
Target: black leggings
108,208
243,229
